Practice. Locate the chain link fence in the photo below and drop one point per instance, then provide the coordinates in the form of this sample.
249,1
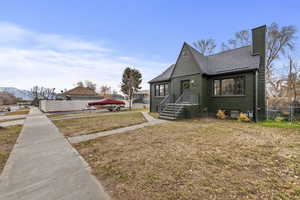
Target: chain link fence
284,113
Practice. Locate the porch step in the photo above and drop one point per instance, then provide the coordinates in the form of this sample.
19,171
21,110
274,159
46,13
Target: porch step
167,117
171,111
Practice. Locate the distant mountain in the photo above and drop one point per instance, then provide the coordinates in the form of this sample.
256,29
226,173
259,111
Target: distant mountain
24,94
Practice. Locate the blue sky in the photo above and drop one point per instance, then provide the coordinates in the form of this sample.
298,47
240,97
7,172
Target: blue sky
56,43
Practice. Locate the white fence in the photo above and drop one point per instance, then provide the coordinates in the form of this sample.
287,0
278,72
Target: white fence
63,105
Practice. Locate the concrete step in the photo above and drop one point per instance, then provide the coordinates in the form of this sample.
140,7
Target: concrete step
167,117
170,111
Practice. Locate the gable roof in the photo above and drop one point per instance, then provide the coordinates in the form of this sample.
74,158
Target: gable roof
166,75
234,60
83,91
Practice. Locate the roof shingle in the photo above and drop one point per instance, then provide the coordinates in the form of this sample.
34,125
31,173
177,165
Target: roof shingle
239,59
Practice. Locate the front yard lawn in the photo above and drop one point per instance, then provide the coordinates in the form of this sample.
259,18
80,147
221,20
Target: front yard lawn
88,125
198,159
282,124
8,137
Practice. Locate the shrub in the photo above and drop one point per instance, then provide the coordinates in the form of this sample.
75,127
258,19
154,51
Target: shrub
221,114
243,117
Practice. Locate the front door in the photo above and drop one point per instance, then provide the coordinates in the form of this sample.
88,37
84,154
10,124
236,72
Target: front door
184,86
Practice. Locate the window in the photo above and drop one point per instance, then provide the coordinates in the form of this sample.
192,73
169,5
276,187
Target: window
166,89
161,89
229,86
217,88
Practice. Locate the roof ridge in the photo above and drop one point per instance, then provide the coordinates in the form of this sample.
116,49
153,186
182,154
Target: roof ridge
228,50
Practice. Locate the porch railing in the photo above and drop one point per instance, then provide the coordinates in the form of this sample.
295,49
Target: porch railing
163,103
187,98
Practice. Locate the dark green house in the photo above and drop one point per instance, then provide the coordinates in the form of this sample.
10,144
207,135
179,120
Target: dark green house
198,85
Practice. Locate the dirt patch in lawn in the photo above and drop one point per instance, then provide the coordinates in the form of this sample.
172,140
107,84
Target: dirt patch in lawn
198,159
8,137
7,120
88,125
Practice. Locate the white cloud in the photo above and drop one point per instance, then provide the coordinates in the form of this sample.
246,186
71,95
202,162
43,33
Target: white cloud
30,58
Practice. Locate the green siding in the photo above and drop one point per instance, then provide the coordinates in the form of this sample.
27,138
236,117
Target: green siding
155,100
242,103
185,64
176,85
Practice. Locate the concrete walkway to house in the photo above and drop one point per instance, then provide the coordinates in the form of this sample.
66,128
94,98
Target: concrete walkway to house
44,166
151,121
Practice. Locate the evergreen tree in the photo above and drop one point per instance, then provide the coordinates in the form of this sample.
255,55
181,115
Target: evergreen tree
131,81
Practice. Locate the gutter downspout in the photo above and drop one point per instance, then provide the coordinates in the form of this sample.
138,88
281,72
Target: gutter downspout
255,95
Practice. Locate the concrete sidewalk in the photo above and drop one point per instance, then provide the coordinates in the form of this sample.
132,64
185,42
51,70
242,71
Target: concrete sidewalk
12,123
44,166
12,116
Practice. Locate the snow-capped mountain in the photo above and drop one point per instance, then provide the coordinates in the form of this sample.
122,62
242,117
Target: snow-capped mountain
24,94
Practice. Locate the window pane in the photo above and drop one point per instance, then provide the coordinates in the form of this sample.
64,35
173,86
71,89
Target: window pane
239,86
228,86
161,90
217,88
166,90
156,90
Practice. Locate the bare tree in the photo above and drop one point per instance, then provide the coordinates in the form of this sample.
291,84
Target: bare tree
292,82
87,84
79,84
38,93
105,90
90,85
241,38
279,41
206,47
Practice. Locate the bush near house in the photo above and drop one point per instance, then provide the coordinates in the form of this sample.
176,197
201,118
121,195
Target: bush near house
221,114
243,117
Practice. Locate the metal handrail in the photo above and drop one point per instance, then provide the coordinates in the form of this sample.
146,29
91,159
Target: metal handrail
191,98
179,98
163,103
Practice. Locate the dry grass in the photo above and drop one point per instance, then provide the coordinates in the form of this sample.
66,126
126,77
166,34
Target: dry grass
198,159
8,137
153,114
18,112
79,114
7,120
87,125
87,114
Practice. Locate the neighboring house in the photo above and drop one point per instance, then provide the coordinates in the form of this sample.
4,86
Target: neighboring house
198,85
7,99
79,93
142,96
